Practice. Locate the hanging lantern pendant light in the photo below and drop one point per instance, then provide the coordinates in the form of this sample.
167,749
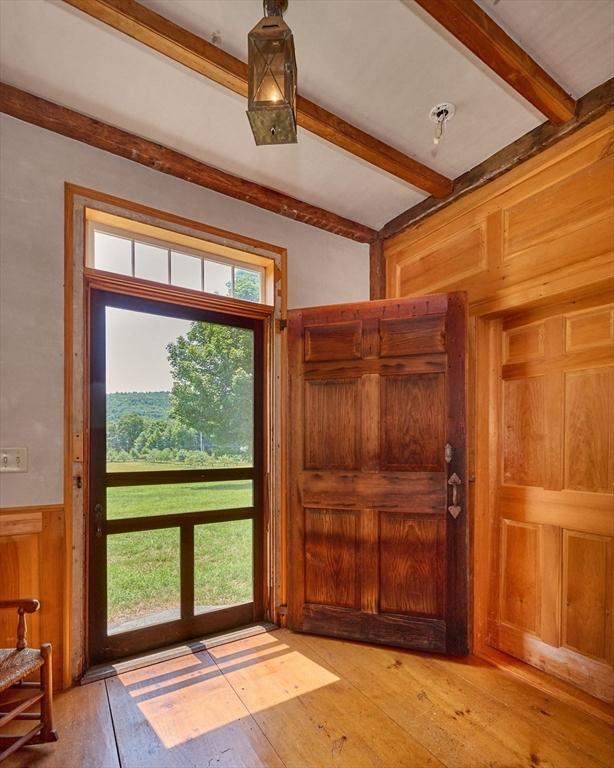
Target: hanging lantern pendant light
271,66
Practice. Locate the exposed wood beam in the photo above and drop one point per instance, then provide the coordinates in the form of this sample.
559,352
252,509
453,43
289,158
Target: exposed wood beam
157,32
589,108
377,271
476,30
53,117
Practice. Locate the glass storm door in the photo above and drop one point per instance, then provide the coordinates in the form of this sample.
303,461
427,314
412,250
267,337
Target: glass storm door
175,474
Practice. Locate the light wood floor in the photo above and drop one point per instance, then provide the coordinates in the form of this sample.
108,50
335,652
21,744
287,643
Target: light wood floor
281,699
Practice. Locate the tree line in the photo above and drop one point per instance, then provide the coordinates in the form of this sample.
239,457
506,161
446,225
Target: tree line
209,409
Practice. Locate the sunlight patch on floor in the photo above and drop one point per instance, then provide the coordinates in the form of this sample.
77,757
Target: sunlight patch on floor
190,697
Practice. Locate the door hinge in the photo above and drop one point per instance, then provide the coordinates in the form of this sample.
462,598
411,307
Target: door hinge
283,324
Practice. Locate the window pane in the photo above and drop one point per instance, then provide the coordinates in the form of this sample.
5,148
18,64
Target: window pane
223,569
151,262
113,254
143,585
247,284
185,271
218,278
144,500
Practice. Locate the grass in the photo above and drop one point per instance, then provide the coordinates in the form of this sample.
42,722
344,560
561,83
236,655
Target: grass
143,568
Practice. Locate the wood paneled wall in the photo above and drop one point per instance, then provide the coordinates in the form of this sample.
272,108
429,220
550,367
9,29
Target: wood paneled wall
534,250
542,231
31,565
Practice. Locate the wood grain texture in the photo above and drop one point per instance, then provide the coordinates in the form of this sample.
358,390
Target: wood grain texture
282,699
413,422
184,712
520,574
184,47
588,581
412,584
31,566
589,329
373,553
523,436
54,117
413,336
85,728
554,608
333,342
332,412
331,557
310,714
589,429
528,259
475,29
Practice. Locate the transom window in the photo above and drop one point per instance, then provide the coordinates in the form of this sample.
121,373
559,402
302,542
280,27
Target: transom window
188,264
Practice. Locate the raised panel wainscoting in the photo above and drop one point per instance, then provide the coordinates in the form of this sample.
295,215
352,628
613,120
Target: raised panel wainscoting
31,566
534,250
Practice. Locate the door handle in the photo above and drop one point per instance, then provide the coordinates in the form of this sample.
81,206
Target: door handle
455,509
98,514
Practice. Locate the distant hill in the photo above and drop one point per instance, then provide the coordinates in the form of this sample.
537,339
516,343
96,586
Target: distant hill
152,405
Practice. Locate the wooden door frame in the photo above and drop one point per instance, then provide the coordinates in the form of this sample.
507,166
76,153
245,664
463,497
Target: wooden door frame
101,646
79,281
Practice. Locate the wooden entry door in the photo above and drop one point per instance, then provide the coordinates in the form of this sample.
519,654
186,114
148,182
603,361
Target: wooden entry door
552,602
377,502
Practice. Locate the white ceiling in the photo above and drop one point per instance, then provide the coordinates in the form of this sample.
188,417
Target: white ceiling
381,64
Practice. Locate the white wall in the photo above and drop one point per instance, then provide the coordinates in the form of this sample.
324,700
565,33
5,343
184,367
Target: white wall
34,164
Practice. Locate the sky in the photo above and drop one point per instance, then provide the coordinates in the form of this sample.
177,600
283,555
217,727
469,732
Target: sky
136,350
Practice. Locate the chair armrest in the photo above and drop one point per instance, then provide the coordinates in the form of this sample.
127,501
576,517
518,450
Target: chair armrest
27,605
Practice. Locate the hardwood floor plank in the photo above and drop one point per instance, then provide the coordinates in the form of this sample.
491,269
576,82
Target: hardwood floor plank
309,714
286,700
183,712
83,722
547,712
459,721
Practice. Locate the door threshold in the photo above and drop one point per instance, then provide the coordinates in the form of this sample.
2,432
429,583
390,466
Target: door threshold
130,663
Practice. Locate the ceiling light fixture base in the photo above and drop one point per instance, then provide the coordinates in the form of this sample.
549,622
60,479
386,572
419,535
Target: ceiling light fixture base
443,112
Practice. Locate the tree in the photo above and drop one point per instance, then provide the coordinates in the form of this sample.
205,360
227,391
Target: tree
212,369
166,434
122,434
247,285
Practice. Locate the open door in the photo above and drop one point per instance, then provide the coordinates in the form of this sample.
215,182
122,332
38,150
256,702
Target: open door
377,480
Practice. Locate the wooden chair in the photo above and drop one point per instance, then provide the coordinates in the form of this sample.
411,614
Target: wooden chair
15,665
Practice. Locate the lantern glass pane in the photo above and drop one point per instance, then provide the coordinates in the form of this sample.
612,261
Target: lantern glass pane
270,62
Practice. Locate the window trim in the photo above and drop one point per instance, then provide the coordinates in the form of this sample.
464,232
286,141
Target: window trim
171,241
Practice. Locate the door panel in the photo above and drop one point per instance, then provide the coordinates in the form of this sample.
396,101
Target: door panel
376,392
554,605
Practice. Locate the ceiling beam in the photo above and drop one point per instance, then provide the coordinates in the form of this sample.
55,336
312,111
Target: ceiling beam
46,114
183,46
591,106
476,30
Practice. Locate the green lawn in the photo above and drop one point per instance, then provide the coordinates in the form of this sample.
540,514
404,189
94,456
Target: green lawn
143,568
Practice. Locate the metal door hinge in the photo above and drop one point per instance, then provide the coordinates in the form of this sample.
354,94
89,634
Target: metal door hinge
448,453
283,324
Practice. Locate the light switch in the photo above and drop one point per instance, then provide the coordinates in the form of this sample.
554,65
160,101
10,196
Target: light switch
13,459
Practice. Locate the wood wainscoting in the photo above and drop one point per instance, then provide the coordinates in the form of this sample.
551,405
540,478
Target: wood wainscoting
32,565
534,250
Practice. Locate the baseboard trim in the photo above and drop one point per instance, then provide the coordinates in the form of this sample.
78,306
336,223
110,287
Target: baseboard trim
548,684
112,669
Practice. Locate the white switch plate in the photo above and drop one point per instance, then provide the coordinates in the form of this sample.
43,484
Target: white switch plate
13,459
